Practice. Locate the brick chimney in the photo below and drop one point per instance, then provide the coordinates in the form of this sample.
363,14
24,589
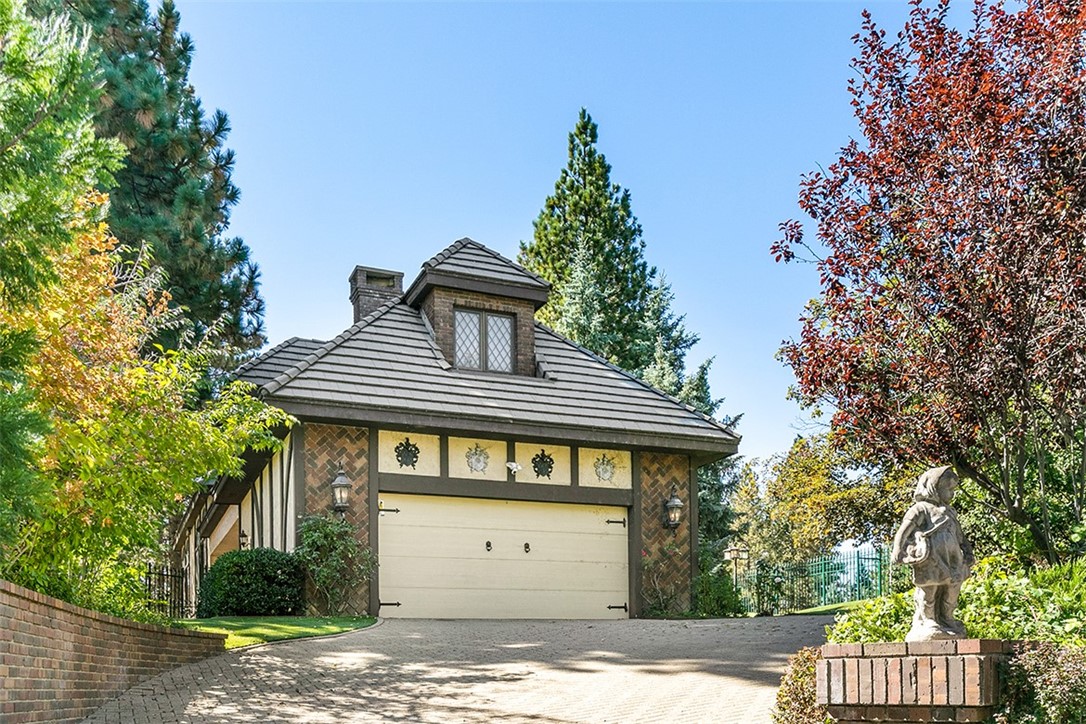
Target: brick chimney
370,288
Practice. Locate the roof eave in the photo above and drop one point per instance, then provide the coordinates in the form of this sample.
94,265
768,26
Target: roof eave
709,448
429,279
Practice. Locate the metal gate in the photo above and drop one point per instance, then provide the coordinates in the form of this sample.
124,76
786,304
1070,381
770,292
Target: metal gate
843,576
165,590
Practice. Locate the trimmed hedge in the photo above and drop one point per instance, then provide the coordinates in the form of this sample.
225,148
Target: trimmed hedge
257,582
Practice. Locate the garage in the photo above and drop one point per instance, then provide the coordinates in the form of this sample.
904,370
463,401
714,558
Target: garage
454,557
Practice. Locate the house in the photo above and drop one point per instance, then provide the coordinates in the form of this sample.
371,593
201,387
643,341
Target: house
497,469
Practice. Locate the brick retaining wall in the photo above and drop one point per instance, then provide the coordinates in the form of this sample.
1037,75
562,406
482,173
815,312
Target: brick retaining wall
60,662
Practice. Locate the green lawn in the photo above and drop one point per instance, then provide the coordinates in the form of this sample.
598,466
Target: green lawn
248,630
832,608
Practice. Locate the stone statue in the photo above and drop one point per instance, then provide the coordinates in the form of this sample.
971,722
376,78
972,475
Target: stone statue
931,541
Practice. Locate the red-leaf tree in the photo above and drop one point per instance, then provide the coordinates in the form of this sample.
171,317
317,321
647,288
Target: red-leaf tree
951,242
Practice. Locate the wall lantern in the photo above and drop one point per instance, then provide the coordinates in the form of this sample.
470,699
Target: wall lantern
243,540
341,487
673,510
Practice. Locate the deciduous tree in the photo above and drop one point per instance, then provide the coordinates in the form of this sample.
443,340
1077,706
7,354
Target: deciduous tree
49,158
951,241
128,438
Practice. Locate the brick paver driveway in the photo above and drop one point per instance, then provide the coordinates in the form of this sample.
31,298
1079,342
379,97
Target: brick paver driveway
489,671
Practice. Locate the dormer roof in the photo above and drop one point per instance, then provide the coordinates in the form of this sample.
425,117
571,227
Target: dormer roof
468,265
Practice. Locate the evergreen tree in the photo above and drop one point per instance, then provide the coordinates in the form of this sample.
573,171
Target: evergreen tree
671,341
605,297
174,192
587,210
580,310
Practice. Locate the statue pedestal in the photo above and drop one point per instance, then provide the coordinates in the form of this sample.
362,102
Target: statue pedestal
929,681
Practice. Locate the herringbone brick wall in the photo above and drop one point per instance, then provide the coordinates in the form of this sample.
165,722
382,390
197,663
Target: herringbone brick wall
667,573
327,447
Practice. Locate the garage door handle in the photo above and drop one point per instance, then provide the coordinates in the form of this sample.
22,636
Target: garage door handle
623,607
488,545
527,548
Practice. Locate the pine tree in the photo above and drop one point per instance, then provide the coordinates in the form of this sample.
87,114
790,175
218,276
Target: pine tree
586,209
605,297
174,192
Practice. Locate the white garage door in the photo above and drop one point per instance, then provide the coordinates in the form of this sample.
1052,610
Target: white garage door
445,557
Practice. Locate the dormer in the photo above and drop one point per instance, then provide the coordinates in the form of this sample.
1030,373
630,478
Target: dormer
481,307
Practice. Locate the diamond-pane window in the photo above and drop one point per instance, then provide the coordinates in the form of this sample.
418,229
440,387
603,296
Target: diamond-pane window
468,338
484,340
499,343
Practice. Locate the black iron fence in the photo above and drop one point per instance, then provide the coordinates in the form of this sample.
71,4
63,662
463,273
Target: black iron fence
852,575
166,590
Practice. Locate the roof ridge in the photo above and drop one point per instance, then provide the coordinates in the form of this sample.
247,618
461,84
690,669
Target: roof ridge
459,244
512,263
708,418
289,374
447,252
249,364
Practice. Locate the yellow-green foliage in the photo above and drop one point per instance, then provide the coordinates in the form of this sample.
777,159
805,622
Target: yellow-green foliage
998,601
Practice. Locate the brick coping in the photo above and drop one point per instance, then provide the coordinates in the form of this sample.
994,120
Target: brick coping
42,599
947,647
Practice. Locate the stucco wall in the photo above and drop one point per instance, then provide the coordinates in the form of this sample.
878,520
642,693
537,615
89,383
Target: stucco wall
60,662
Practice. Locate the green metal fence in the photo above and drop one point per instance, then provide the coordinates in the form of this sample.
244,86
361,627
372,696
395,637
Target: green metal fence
765,587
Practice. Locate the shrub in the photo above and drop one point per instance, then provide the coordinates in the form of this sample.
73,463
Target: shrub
997,601
715,593
661,592
1044,686
334,560
257,582
886,618
796,695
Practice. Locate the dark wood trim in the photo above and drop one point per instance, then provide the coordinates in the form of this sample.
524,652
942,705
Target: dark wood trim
215,513
430,279
252,516
283,491
374,443
298,440
501,490
270,499
258,510
635,536
706,450
443,453
510,457
575,466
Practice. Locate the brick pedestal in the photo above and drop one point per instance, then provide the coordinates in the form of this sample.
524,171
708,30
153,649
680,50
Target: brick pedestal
932,681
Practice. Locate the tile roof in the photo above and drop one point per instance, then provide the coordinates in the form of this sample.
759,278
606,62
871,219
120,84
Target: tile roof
267,366
468,258
387,367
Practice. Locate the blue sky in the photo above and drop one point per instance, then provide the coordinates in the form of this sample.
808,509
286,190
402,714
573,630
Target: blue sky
377,134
